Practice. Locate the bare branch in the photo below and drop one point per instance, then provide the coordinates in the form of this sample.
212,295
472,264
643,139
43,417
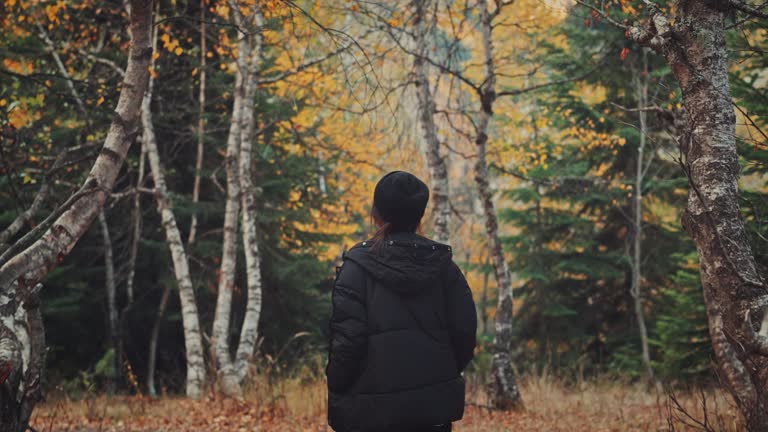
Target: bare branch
747,9
543,85
112,65
604,15
305,65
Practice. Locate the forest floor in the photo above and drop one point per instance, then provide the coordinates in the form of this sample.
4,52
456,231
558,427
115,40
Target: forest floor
295,406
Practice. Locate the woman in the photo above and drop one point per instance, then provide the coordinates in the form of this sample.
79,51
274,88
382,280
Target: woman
403,323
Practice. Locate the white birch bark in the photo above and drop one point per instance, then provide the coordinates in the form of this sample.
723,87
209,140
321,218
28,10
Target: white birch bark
694,46
189,315
31,258
227,374
200,126
426,108
249,331
503,391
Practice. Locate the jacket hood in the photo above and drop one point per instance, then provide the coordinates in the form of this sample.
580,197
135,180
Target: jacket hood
405,262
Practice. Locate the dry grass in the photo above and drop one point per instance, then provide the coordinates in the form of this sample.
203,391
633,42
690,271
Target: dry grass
293,405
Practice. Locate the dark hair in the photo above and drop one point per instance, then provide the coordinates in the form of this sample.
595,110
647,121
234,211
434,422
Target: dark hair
388,228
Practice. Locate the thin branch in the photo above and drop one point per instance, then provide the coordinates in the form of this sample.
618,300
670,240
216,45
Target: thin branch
747,9
543,85
62,69
305,65
112,65
604,15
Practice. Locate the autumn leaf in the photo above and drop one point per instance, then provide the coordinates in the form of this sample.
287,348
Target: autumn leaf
624,53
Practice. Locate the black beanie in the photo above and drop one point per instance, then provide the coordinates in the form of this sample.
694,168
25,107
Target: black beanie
401,199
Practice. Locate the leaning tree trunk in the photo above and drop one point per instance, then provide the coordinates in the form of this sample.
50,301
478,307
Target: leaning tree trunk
438,172
32,257
503,391
694,47
189,314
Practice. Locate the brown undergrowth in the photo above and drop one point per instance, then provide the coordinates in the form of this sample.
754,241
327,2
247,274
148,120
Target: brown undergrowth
295,405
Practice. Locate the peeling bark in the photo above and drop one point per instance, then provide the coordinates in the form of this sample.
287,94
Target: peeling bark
693,45
728,271
24,268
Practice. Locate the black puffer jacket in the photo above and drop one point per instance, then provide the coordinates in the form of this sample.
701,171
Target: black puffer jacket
403,328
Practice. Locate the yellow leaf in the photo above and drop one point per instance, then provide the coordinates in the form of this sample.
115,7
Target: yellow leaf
100,101
194,72
178,51
152,72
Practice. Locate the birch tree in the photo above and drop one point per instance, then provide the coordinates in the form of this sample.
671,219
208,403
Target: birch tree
241,128
26,262
473,121
189,315
109,283
426,112
503,392
636,259
694,46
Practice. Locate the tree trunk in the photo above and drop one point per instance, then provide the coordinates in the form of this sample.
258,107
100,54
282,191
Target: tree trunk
503,391
637,222
109,266
29,260
154,336
189,314
484,300
227,374
136,236
200,127
426,107
249,331
733,289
